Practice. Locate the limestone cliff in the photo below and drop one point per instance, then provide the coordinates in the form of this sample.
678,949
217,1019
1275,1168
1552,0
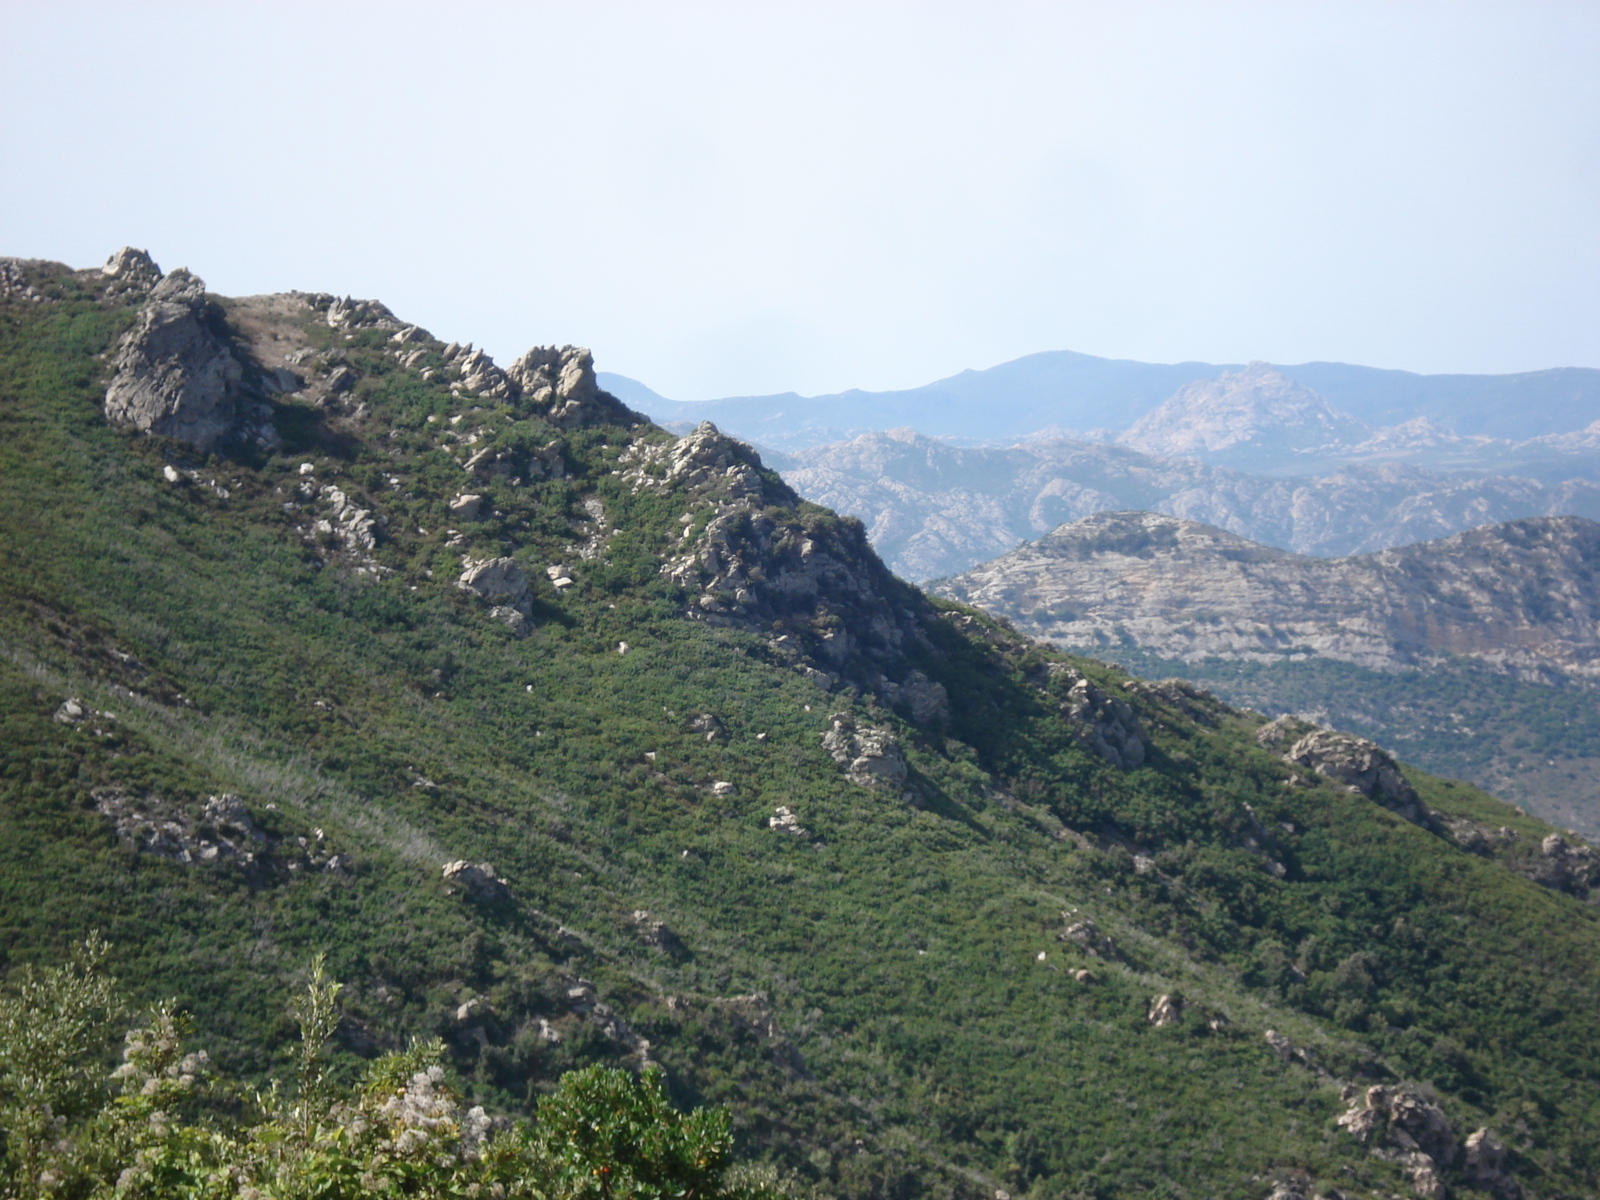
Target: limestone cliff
1523,596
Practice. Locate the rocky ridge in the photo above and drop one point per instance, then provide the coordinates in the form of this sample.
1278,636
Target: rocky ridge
1523,596
934,509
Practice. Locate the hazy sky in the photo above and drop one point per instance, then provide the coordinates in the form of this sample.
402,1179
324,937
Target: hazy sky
756,197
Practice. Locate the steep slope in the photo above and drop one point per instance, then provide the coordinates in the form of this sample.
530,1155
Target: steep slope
571,741
933,509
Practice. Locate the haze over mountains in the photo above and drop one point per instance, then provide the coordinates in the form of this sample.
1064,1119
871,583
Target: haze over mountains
1069,392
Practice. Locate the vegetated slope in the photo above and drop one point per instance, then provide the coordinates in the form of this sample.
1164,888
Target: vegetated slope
933,509
938,910
1068,391
1415,628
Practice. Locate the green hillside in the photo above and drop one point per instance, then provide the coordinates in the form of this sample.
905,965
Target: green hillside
913,929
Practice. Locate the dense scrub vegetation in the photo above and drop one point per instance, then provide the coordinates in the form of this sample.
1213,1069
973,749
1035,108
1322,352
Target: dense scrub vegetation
1531,743
893,1004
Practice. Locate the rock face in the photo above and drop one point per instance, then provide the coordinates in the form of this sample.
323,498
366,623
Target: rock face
174,374
933,509
1415,1129
869,754
560,380
1566,867
1523,596
813,586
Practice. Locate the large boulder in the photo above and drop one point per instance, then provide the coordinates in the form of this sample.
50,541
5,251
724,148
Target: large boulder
504,584
174,375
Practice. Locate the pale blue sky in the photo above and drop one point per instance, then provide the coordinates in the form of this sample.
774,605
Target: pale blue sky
731,198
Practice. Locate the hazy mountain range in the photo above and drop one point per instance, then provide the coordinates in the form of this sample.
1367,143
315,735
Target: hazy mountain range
1075,393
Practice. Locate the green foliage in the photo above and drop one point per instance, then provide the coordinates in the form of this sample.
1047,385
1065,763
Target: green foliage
867,1003
401,1130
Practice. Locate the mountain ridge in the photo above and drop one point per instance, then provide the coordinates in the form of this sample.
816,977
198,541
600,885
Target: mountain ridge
570,741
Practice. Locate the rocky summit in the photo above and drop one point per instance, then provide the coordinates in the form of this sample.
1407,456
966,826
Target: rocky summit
337,652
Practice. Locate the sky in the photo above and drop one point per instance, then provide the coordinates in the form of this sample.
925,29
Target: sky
725,199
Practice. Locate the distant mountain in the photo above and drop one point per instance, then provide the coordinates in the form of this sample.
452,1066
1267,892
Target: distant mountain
1476,654
1523,596
1070,392
1242,418
933,509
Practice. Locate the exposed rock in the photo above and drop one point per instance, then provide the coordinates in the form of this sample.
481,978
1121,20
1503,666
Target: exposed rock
1184,590
918,697
347,313
723,788
869,754
1360,766
502,582
785,821
174,375
351,525
1166,1009
222,833
1282,732
130,270
708,725
1108,726
1566,867
1403,1118
1424,1175
810,582
1484,1164
466,507
1086,934
477,881
560,381
1280,1045
1194,702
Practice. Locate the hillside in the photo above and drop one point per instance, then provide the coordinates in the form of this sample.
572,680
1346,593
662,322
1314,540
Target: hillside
572,741
1521,598
933,509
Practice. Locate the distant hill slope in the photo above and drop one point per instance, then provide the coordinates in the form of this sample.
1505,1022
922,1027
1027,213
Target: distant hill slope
1522,597
1075,392
933,509
572,741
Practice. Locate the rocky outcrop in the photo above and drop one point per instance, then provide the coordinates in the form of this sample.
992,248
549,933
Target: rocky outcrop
657,934
130,271
503,583
559,383
174,373
221,832
1105,724
1412,1130
478,882
1565,867
809,580
869,754
1520,597
1358,766
1166,1009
